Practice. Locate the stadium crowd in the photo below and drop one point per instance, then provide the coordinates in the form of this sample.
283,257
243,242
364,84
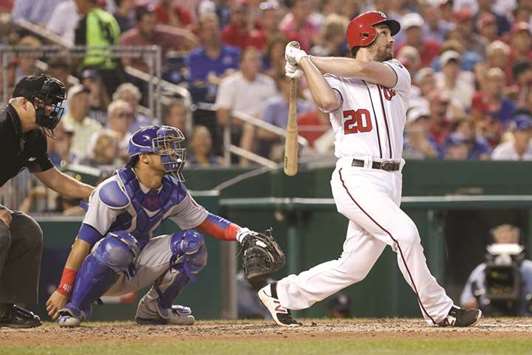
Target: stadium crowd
469,61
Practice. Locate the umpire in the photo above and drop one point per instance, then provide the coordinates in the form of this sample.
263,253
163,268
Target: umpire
34,110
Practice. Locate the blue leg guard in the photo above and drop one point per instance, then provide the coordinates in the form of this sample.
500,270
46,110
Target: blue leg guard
101,269
189,256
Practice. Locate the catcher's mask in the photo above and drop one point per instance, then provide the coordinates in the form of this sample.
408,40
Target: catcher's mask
164,141
47,95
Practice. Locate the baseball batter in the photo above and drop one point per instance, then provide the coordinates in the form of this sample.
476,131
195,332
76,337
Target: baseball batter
366,98
116,252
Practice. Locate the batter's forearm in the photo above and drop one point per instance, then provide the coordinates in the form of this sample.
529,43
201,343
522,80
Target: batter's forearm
374,72
344,67
322,94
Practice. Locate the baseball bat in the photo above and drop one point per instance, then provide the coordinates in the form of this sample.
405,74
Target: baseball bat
290,145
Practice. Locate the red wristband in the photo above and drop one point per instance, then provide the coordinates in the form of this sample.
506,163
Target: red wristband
67,281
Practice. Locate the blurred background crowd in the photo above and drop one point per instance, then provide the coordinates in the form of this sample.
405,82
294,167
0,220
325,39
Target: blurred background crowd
469,61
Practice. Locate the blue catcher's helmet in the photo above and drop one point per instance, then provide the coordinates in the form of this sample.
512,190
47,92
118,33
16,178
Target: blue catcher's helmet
164,141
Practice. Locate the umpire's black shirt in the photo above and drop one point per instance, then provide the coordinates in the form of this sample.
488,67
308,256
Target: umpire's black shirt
20,150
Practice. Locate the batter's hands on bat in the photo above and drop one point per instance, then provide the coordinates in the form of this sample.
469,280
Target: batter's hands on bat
292,71
55,303
293,54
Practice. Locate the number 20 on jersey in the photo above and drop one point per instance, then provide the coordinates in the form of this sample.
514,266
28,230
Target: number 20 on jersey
357,121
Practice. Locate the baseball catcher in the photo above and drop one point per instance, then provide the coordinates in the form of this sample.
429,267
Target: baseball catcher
116,252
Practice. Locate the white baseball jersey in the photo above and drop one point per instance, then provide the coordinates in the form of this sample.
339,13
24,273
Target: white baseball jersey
371,119
369,124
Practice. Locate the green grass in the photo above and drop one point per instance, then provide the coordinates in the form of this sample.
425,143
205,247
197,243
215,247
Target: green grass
337,345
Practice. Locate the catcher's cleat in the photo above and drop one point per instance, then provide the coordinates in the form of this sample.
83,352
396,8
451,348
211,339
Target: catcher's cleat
18,317
67,319
280,314
151,313
459,317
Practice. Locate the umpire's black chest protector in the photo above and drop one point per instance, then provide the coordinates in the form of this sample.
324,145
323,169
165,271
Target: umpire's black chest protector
19,150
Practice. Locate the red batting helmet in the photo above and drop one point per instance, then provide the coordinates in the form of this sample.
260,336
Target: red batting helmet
361,31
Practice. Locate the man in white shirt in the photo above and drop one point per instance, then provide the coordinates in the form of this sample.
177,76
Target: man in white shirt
78,121
520,147
245,91
366,97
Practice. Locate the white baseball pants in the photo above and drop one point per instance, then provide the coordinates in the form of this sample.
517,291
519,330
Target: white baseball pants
370,199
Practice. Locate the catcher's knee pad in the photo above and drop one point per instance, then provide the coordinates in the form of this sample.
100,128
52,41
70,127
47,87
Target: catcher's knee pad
189,253
117,250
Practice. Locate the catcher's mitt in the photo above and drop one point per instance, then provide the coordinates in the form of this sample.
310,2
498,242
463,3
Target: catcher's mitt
261,256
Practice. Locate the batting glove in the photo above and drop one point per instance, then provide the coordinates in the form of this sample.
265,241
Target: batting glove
292,71
293,54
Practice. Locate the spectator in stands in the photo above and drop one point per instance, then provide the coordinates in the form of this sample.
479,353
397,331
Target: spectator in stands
37,12
520,91
487,28
59,68
332,37
412,26
176,114
76,119
26,61
64,20
465,33
119,119
456,149
439,121
98,28
521,42
103,152
491,101
457,84
172,14
498,54
125,14
409,57
242,31
211,62
435,28
147,33
59,145
297,25
200,153
131,94
464,130
273,60
269,18
313,125
98,97
520,146
245,91
474,293
418,144
276,113
486,7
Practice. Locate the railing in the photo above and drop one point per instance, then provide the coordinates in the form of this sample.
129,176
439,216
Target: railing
230,148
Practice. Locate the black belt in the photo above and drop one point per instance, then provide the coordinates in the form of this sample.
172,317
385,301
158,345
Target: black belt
383,165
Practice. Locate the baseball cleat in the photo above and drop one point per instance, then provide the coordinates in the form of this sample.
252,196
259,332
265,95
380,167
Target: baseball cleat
18,317
150,313
280,314
459,317
67,319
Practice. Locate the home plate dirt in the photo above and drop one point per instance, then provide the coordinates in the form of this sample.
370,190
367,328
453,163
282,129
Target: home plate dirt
99,332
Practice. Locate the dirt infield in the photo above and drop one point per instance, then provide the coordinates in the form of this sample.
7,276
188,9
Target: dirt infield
112,332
